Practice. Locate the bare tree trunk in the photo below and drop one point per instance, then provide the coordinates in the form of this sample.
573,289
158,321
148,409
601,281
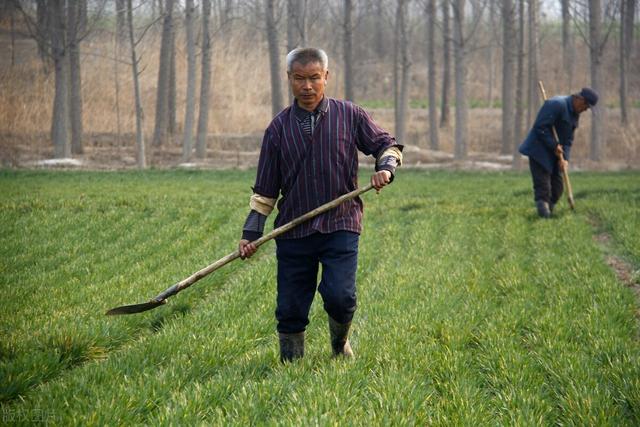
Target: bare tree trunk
296,10
532,96
154,9
116,81
568,44
120,38
75,78
205,82
121,20
395,75
293,25
44,24
228,10
630,27
623,65
190,108
446,62
402,88
302,22
140,144
59,120
508,39
164,72
519,85
292,32
460,71
490,48
347,28
171,100
379,34
223,10
83,16
274,58
627,14
431,65
12,30
596,48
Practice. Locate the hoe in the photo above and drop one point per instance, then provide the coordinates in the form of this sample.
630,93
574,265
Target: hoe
161,298
565,173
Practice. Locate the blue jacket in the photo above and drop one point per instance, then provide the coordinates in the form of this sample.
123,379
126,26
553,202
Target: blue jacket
540,143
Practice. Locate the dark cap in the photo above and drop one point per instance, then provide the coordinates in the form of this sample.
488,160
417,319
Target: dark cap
589,95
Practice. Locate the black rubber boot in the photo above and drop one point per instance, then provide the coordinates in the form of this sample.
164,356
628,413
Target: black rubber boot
291,346
339,333
543,209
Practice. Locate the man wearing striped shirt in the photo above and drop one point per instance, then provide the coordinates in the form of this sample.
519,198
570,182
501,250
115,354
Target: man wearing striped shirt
308,158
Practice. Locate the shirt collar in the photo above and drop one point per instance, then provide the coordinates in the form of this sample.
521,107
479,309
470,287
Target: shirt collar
302,114
570,105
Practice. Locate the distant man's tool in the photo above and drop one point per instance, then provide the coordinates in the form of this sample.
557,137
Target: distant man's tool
162,298
565,173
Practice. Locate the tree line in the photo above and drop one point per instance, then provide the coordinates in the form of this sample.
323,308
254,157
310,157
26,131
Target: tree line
438,35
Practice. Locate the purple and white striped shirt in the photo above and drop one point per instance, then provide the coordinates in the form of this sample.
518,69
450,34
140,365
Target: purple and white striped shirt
310,170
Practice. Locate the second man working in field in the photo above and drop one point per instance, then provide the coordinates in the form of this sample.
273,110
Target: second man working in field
309,156
561,113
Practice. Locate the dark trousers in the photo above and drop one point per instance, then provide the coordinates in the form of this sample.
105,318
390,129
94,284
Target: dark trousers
546,186
298,262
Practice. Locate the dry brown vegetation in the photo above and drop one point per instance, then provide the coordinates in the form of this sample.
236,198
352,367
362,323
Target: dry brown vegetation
240,106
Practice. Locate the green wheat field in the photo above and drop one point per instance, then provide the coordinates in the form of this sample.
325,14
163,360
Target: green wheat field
472,311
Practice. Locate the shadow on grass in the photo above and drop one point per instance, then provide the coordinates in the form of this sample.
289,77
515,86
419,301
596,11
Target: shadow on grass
176,311
411,207
522,193
606,192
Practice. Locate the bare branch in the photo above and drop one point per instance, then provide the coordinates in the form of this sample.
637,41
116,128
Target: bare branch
146,28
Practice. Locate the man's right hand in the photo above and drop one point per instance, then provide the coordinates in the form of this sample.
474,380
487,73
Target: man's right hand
246,249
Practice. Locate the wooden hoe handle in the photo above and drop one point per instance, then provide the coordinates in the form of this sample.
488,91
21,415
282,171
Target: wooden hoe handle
264,239
183,284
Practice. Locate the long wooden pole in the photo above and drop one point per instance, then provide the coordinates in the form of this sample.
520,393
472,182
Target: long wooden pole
565,172
264,239
183,284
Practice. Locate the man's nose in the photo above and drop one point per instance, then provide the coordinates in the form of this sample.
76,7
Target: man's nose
306,84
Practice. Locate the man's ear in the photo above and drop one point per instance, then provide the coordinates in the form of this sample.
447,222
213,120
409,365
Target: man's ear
326,76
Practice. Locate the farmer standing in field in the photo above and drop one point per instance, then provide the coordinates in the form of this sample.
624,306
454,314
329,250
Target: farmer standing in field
563,114
308,158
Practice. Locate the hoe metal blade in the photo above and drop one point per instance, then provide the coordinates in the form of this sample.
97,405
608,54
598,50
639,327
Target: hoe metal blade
135,308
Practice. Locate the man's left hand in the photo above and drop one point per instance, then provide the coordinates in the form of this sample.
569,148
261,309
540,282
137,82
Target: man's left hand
380,179
559,151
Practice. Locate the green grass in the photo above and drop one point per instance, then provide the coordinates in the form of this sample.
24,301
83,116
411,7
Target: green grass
471,310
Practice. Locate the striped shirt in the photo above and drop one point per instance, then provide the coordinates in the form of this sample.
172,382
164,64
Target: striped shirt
309,120
309,169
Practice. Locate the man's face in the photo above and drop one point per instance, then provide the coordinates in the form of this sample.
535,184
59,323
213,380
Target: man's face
308,83
580,104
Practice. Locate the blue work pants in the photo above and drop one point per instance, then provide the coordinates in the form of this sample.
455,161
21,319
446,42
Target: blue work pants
298,264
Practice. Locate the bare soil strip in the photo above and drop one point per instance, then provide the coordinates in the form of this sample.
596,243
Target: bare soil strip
624,270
